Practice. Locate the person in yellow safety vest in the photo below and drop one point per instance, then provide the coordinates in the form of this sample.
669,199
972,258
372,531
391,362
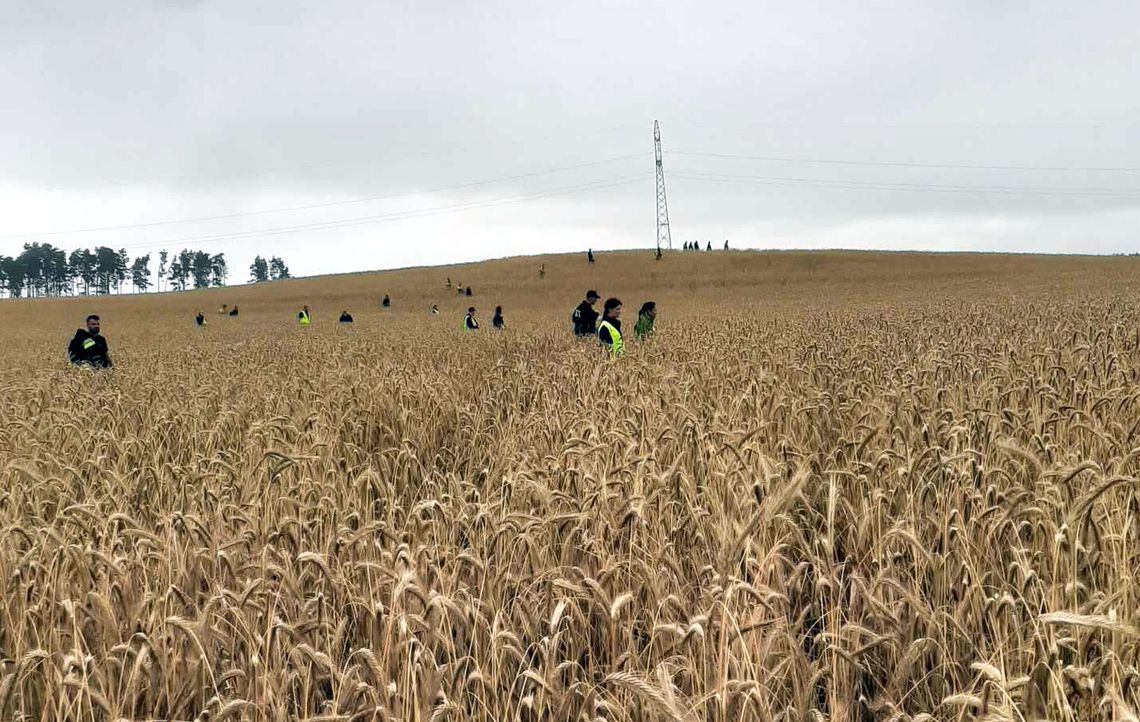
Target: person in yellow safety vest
303,317
469,322
609,328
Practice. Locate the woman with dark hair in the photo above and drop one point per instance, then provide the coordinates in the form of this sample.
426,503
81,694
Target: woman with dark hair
497,320
645,318
609,328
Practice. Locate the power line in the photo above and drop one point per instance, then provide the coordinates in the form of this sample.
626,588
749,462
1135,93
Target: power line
448,149
365,220
902,164
919,187
313,206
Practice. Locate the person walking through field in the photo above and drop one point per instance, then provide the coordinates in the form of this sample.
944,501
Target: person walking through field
233,311
200,319
590,255
88,347
304,317
585,318
469,322
645,318
609,329
345,317
497,321
387,302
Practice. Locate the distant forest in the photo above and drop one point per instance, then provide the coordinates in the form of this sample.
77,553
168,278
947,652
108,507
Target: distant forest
43,270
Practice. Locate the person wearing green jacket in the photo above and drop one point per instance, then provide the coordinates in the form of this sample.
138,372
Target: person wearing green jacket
645,318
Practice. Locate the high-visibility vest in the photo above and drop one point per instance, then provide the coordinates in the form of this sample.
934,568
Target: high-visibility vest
616,344
303,318
88,344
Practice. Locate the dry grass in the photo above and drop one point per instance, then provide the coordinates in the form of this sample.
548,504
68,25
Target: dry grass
836,486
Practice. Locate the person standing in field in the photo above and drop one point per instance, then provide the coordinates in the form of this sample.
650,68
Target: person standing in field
645,318
435,309
200,319
88,348
223,310
726,244
609,330
469,322
467,291
304,317
542,271
345,317
497,320
709,248
234,311
585,318
590,255
387,302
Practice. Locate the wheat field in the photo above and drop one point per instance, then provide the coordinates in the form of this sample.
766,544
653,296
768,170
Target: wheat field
834,486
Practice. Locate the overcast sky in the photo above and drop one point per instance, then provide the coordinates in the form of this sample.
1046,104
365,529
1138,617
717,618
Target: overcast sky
433,132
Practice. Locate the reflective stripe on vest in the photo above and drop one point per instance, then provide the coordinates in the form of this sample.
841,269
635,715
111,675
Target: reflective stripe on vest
89,343
616,344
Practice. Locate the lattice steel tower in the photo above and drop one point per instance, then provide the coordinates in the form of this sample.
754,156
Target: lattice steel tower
663,236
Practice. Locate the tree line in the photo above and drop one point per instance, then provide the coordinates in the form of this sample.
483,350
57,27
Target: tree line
43,270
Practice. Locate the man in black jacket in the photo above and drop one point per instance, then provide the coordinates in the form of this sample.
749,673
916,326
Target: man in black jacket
88,347
585,318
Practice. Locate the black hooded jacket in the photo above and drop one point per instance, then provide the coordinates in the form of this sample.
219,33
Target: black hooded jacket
89,348
584,319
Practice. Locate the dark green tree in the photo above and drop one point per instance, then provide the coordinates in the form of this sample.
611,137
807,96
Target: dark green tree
259,270
140,273
278,269
218,269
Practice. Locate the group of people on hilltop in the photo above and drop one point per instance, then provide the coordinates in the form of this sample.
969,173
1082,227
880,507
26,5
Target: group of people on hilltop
585,321
696,245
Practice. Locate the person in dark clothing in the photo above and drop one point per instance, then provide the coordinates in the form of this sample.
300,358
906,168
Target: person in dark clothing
585,318
469,322
467,291
387,302
709,247
200,319
88,347
435,309
497,320
609,329
658,256
345,317
726,244
590,255
234,311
